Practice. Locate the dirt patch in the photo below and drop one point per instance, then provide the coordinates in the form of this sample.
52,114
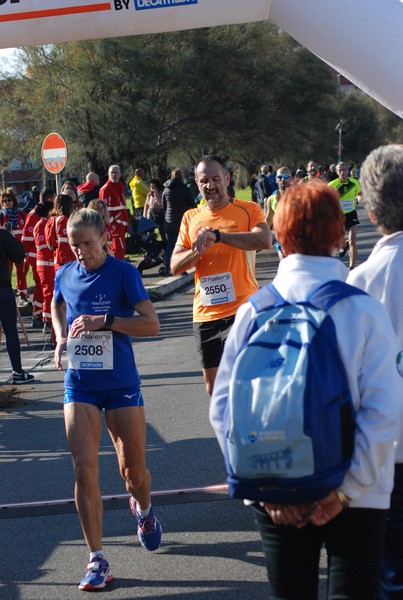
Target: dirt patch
9,397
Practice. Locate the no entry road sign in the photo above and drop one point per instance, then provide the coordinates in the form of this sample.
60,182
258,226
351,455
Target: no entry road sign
54,153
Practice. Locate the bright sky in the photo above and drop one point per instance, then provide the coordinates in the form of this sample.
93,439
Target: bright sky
7,59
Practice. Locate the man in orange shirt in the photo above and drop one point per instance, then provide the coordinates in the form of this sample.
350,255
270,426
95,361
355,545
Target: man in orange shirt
220,239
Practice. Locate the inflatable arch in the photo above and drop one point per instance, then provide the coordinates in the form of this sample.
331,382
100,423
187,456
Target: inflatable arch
362,39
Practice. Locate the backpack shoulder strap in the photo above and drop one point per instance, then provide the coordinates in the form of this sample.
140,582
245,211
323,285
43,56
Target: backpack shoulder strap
267,297
331,292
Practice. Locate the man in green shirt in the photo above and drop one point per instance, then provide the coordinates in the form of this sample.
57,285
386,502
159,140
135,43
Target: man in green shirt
350,191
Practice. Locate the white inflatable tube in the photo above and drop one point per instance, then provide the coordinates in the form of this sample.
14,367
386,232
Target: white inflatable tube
361,39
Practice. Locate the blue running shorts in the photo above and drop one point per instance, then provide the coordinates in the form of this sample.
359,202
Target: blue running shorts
108,399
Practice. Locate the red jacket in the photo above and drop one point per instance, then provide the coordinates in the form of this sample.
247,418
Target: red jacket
28,236
114,195
56,238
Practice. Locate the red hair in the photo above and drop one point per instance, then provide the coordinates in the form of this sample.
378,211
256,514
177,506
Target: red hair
309,220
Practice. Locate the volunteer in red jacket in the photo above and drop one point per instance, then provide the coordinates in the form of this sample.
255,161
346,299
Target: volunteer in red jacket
44,263
56,230
114,195
89,190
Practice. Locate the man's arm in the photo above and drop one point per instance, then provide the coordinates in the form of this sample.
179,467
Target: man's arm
257,239
184,258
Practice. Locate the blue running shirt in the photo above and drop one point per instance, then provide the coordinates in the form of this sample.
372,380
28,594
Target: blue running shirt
116,287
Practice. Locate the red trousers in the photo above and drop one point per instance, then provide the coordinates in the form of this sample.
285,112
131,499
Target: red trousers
46,275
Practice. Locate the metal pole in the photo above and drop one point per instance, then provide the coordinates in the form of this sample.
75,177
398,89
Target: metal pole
340,134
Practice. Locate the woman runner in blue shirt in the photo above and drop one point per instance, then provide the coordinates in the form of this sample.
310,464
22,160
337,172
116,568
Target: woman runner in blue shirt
93,314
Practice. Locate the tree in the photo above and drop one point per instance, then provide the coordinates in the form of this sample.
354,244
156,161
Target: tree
248,92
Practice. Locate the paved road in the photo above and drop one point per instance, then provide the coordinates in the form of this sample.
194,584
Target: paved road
210,547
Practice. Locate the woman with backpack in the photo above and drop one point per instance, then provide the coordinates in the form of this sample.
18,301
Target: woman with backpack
348,520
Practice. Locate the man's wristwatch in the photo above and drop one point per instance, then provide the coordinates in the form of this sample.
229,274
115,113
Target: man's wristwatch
108,321
344,500
217,235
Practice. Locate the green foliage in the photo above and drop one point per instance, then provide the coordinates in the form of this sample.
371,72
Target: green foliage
248,92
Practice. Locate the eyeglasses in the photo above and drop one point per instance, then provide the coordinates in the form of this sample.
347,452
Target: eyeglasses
7,200
280,177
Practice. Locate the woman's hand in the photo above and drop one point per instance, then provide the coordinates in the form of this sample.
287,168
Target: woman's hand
326,509
289,514
86,323
59,349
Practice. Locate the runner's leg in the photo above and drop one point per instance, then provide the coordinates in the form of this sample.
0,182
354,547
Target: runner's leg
83,427
127,428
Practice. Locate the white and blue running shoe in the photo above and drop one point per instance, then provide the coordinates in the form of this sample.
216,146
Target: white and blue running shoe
97,576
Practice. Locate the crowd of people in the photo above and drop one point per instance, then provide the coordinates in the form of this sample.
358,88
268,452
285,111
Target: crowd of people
95,303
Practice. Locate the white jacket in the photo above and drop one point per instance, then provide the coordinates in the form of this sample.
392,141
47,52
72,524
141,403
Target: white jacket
381,277
368,347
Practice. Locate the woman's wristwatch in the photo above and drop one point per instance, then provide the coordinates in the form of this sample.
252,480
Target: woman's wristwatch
108,321
344,500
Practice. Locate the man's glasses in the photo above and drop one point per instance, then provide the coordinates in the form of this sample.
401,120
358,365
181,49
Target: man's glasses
280,177
7,200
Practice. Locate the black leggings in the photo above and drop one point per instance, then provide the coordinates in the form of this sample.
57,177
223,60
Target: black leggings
353,541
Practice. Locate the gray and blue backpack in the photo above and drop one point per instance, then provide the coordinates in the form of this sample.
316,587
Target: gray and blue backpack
289,421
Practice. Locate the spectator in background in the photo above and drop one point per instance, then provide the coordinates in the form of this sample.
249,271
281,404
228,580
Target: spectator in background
36,195
113,193
12,218
299,175
11,251
139,190
312,170
70,188
263,187
272,177
28,241
45,265
381,276
191,183
231,185
153,208
102,210
177,199
284,179
56,230
332,173
89,190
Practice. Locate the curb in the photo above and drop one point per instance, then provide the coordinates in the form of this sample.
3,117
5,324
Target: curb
164,287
